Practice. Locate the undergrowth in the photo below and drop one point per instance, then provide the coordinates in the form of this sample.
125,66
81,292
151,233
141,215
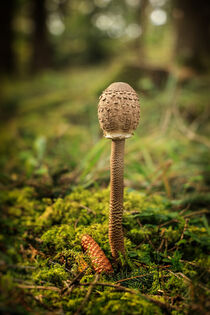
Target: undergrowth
54,170
166,258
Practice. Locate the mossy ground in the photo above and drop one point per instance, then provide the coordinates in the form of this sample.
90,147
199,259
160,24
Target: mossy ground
54,189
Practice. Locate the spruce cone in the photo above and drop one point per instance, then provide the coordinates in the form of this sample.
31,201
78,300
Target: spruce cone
99,260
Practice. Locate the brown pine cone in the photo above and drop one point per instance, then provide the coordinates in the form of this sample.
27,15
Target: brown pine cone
99,260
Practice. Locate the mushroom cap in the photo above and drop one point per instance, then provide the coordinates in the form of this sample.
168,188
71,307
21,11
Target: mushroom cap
118,111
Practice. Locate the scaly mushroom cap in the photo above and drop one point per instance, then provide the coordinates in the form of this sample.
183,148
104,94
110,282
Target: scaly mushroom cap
118,111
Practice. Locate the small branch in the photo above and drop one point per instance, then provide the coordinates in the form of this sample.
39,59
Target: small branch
166,121
115,286
78,277
194,264
88,209
181,237
16,266
168,222
56,263
147,237
164,306
184,210
163,169
192,214
37,287
174,220
161,244
90,289
76,222
180,275
185,227
70,286
140,276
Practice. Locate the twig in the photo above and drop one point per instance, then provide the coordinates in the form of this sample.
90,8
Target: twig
90,289
2,263
78,277
115,286
168,222
194,264
166,244
38,287
162,305
147,237
140,276
180,275
88,209
70,286
174,220
166,121
181,237
161,245
185,227
163,170
192,214
55,263
184,210
76,222
167,186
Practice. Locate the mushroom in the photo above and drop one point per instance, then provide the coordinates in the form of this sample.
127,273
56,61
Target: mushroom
118,114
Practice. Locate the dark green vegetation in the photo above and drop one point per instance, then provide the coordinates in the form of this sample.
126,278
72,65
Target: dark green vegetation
54,179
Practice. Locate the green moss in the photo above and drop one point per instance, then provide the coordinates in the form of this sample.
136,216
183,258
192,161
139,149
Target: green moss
54,274
43,215
48,232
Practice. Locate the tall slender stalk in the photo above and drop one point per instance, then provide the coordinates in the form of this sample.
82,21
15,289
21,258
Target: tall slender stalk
116,198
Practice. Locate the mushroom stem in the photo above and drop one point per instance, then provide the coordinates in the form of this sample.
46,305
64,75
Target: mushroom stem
116,239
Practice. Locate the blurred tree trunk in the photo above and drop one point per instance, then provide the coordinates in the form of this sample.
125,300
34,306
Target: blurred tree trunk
41,49
6,35
143,23
192,20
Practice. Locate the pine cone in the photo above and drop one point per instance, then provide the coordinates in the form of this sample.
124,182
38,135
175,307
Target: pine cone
99,260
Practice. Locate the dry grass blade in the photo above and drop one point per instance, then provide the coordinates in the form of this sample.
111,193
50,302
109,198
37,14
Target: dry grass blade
187,131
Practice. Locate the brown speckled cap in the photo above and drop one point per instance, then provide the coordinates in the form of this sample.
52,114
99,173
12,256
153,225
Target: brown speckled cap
118,111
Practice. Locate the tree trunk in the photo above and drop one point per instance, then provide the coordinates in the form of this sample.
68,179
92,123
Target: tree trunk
143,24
193,32
6,35
41,50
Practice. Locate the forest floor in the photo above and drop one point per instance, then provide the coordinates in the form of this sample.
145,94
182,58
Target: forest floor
55,188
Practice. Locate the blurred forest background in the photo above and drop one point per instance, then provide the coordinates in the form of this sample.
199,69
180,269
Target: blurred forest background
39,35
56,57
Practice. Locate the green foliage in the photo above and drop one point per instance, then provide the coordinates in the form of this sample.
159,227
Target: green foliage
54,167
48,234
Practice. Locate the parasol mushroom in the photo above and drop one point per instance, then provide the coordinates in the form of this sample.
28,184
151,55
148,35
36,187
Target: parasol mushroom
118,114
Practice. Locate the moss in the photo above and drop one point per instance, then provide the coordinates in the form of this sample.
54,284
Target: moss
53,274
47,235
